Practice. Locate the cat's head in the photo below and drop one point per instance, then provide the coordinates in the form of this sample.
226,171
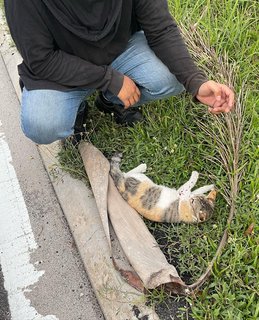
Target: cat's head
197,208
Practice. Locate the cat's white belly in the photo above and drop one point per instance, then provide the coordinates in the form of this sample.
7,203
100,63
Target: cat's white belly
167,196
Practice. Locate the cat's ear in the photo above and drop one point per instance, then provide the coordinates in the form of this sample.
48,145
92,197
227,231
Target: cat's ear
212,196
184,191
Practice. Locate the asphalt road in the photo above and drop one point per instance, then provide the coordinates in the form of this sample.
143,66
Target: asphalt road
41,273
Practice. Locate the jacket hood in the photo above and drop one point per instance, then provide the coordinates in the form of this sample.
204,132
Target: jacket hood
91,20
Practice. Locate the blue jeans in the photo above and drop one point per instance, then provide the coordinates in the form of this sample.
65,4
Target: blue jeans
49,115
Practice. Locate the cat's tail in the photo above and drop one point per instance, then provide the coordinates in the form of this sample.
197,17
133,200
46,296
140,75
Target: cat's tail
115,171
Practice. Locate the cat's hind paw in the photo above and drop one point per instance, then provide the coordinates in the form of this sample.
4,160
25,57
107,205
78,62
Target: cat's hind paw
194,177
142,168
116,157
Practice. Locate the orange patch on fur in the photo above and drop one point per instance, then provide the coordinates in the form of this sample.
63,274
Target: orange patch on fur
121,187
212,195
185,211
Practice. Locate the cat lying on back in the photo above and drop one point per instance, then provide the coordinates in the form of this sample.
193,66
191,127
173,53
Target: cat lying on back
160,203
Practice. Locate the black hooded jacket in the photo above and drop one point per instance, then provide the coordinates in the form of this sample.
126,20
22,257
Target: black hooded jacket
70,44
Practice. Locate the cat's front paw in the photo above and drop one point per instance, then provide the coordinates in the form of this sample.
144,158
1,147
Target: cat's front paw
142,168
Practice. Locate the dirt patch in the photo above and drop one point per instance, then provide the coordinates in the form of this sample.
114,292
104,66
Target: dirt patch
172,307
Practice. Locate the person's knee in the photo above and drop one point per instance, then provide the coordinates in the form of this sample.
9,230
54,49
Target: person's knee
165,85
41,131
49,115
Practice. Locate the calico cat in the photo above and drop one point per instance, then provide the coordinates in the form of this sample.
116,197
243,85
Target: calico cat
159,203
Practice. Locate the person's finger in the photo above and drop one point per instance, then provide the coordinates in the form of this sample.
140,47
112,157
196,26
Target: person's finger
136,97
132,100
216,89
222,108
211,110
138,92
217,104
126,103
230,96
223,95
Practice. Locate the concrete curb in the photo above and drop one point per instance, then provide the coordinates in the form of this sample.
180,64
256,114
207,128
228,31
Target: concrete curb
117,299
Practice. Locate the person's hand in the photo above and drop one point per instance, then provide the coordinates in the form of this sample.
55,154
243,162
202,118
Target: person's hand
219,97
129,93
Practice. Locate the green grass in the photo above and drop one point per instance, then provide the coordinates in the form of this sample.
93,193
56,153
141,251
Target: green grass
173,143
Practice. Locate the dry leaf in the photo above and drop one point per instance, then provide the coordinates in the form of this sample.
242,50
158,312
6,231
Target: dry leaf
249,231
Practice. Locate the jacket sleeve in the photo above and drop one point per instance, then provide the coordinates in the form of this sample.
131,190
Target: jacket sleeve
164,38
37,48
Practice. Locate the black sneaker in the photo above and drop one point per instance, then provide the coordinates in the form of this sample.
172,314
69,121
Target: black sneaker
81,117
80,123
79,127
128,116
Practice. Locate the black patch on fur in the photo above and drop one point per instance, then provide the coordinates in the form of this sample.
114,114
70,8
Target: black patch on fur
206,206
171,214
131,185
115,171
151,197
125,196
116,176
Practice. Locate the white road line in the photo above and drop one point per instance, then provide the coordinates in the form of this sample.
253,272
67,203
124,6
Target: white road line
16,241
